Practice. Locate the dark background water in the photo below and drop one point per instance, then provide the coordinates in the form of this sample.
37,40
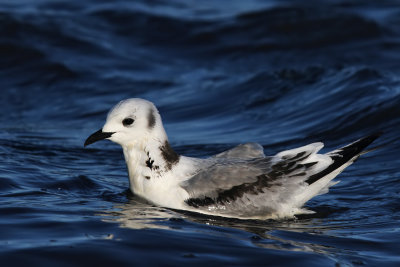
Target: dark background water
282,73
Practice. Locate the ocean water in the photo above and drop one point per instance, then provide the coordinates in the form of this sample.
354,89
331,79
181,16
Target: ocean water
281,73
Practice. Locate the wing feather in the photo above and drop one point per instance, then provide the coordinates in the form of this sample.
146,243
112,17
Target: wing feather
229,178
243,151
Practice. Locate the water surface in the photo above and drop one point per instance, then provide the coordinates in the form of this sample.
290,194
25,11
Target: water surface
280,73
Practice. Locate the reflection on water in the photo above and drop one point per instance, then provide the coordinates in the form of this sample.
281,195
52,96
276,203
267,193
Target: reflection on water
281,73
285,235
327,233
138,214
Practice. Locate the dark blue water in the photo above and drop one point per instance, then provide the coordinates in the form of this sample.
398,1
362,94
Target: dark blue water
280,73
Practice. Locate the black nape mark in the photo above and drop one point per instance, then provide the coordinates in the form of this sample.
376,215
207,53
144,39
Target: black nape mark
151,119
147,177
169,155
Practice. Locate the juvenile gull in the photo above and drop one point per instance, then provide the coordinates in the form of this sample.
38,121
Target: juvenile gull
241,182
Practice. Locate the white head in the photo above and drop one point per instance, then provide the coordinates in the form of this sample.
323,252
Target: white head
131,121
136,125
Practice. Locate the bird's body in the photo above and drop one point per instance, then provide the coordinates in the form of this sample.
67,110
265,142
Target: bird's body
241,182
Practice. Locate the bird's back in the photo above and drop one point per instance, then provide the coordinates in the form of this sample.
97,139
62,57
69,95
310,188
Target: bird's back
267,187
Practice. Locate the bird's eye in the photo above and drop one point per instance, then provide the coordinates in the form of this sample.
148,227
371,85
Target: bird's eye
127,121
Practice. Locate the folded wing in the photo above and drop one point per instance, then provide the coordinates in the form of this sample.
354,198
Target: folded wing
254,182
243,151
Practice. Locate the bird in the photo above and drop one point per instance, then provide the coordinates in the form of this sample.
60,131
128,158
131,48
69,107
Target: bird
240,183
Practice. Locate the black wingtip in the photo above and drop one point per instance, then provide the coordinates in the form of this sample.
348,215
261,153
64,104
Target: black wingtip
345,154
358,146
374,135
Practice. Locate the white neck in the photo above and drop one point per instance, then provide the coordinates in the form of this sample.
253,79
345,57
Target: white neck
147,161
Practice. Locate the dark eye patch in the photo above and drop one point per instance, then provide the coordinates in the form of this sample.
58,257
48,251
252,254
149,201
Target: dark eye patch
127,121
151,119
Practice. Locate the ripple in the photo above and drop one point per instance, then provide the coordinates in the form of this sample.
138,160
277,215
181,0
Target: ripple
281,74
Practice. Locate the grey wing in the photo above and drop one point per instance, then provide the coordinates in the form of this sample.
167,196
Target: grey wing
229,179
224,174
243,151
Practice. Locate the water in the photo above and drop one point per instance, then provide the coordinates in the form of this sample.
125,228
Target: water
280,73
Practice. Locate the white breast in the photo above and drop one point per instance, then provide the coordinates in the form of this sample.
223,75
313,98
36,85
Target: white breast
158,186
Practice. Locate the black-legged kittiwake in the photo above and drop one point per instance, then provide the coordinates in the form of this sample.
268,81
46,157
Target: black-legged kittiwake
241,182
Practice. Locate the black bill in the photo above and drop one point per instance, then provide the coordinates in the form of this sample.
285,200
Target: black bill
97,136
